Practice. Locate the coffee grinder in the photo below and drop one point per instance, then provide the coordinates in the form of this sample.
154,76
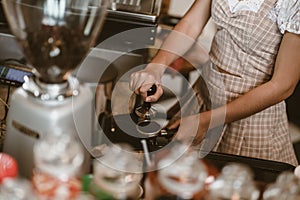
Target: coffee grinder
55,36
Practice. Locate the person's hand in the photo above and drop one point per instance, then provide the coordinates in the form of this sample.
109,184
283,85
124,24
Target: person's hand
191,128
141,81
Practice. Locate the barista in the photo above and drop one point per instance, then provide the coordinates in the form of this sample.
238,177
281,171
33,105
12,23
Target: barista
255,55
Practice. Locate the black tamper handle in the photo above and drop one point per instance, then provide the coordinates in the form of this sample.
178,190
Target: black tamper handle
150,92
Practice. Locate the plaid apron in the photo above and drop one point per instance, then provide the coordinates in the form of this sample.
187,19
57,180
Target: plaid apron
249,43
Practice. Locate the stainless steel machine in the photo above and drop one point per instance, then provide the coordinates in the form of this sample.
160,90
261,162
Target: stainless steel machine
55,37
123,15
128,33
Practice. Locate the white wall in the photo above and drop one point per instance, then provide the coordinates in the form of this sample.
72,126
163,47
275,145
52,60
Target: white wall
179,7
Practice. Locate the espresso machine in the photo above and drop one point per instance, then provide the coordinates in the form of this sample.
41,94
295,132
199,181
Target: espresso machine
55,36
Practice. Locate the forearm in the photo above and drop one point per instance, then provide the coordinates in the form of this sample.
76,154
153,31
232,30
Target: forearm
244,106
184,34
255,101
178,42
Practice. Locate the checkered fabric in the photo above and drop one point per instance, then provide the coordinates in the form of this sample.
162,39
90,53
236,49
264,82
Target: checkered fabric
245,47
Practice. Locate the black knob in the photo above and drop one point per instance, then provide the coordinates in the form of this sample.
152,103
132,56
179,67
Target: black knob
152,90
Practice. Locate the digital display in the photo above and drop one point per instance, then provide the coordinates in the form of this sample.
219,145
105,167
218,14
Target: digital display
13,75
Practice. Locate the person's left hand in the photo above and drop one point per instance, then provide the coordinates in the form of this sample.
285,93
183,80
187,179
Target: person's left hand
191,128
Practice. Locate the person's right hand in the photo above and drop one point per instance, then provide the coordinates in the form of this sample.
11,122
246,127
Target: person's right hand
141,81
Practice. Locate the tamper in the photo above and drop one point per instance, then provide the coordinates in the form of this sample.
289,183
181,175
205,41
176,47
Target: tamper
146,125
144,111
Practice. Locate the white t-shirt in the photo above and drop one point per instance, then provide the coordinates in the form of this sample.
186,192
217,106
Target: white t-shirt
286,13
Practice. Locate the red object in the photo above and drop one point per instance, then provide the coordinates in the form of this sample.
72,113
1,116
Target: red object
8,167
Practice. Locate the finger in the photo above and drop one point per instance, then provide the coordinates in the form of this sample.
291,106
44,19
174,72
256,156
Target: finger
147,84
144,89
136,84
174,125
181,136
137,91
141,81
188,128
134,79
131,82
155,97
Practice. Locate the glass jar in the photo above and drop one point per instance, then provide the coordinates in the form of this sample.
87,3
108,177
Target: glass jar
117,174
177,175
58,159
234,183
287,186
16,189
